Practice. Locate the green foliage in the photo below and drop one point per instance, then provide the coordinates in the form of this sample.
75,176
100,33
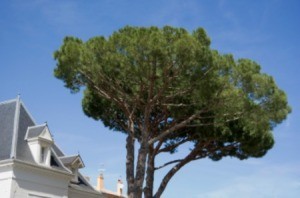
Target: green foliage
173,75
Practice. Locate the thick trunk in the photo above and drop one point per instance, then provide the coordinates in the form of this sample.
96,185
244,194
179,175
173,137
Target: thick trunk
148,191
130,166
141,169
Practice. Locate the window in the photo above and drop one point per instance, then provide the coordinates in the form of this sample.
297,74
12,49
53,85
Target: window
43,155
53,161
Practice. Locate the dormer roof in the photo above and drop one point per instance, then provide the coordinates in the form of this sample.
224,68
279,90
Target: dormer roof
39,131
72,161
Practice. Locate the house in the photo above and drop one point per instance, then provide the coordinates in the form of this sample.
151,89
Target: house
31,164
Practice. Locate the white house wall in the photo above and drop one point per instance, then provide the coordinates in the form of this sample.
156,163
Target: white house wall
35,149
6,175
34,182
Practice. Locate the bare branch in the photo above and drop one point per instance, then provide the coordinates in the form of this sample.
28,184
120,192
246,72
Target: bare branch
173,146
168,163
178,105
159,144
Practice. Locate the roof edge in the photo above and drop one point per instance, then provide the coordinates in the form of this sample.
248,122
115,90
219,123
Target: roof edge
6,162
80,189
41,167
86,181
15,129
77,157
28,112
66,156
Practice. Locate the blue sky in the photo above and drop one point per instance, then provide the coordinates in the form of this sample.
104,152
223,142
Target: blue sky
266,31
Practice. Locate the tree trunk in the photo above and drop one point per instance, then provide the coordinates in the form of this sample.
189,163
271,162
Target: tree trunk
130,165
141,168
148,191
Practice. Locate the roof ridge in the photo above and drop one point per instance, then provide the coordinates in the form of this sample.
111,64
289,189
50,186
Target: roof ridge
35,126
8,101
15,129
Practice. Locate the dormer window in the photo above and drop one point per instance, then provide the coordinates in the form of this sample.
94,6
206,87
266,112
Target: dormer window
73,163
39,140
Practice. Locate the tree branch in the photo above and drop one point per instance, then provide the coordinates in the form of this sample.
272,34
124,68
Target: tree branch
175,127
168,163
173,146
174,170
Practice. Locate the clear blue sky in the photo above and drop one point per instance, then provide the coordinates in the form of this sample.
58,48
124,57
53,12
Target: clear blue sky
266,31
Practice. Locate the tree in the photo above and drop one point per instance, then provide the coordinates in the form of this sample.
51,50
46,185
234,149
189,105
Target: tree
165,87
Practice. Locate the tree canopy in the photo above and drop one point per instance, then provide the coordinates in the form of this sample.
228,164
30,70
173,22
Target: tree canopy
165,87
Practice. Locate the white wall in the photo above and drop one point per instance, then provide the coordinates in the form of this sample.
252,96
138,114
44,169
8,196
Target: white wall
35,149
6,175
21,180
31,181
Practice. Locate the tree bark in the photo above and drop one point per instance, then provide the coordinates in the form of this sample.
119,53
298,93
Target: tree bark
141,168
130,165
148,190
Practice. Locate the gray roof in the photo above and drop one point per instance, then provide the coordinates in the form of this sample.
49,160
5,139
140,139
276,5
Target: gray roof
7,115
57,150
24,121
14,122
35,131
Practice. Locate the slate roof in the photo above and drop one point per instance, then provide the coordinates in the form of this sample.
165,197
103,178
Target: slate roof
7,115
35,131
57,150
15,123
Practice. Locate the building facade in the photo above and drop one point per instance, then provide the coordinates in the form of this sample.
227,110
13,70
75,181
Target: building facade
31,164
